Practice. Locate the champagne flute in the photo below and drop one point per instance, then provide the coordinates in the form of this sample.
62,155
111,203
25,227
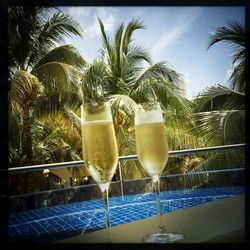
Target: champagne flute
99,146
152,151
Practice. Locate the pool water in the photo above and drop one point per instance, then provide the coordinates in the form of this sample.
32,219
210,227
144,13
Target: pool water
58,222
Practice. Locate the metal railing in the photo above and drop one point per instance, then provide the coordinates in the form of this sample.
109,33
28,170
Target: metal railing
126,158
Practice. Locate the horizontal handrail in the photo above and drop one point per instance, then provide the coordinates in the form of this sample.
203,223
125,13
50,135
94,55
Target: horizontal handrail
126,158
131,180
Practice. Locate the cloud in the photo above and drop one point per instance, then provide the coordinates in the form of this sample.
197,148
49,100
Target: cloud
229,73
182,25
138,13
106,14
88,18
166,39
79,13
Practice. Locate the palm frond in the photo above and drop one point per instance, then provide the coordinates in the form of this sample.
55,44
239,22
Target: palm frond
135,55
59,139
180,138
67,54
95,82
14,130
58,76
127,38
123,108
238,77
239,56
117,49
106,44
233,34
159,69
171,97
56,102
137,52
62,84
220,160
221,127
123,100
24,89
52,32
126,146
58,26
123,117
219,98
23,22
74,117
182,164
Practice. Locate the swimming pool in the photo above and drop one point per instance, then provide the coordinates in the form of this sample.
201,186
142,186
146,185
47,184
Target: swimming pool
58,222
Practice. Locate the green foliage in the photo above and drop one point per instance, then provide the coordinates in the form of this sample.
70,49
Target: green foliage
219,98
234,34
123,76
94,82
220,111
25,88
32,34
66,54
42,81
220,115
220,120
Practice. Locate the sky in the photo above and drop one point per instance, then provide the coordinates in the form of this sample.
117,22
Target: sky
177,35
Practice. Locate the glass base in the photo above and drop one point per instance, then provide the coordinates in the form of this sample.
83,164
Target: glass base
162,237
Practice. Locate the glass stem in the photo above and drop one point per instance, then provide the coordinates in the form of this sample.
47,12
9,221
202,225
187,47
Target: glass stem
156,181
105,195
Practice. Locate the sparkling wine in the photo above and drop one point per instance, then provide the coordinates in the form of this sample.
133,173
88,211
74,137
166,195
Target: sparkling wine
152,147
100,150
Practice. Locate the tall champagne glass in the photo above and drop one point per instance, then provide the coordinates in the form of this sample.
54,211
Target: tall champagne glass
99,146
152,151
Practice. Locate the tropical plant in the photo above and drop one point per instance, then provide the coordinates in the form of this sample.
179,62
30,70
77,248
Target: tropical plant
40,70
43,77
219,110
220,113
119,77
233,34
101,81
122,78
124,62
220,120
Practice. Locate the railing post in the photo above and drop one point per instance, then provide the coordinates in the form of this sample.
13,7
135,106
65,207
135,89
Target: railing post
121,179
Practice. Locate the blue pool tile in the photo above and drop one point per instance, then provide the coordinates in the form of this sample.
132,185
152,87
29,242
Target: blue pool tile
58,222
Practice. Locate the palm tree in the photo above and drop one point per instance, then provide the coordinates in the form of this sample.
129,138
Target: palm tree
233,34
219,113
25,88
124,63
37,64
33,34
120,77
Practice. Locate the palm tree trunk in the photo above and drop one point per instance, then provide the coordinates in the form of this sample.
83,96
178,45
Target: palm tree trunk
27,143
27,146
